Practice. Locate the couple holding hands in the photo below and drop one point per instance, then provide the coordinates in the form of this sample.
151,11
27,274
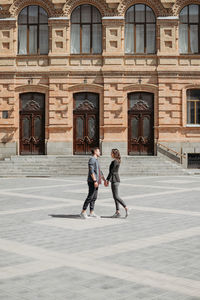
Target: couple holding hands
95,176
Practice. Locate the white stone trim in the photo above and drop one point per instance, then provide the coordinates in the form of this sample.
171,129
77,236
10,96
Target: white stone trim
192,125
59,18
8,19
113,18
168,18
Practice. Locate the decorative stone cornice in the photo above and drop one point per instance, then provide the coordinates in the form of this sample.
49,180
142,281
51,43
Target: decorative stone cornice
102,6
180,4
18,5
156,5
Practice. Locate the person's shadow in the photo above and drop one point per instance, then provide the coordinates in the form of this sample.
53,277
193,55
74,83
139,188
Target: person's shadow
78,217
66,216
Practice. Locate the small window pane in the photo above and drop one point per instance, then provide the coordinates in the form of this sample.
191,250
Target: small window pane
86,14
129,38
194,38
22,39
193,94
146,127
198,112
134,128
91,128
183,38
23,16
43,17
130,14
86,38
139,38
33,39
76,15
150,17
96,16
194,13
184,15
96,39
75,38
79,128
191,117
38,127
26,128
33,14
140,13
151,35
43,39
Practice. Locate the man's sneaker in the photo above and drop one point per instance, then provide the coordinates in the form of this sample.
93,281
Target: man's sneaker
83,215
116,215
93,215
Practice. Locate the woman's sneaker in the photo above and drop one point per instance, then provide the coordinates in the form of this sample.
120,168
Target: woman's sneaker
127,212
116,215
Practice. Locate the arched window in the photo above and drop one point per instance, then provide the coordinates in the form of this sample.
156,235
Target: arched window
140,30
86,30
33,30
193,106
189,30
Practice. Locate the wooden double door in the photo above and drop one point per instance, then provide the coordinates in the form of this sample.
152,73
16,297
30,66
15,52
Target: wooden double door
141,124
86,123
32,124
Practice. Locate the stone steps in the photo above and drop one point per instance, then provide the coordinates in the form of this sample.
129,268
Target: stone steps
77,165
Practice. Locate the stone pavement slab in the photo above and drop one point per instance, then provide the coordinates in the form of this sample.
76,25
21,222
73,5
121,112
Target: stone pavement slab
154,254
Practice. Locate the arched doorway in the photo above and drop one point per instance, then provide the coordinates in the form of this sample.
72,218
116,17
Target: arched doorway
141,123
32,124
86,122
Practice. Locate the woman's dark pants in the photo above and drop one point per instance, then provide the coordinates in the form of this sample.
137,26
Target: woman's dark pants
118,200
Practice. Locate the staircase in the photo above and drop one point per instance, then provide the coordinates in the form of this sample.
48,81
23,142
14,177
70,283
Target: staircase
57,165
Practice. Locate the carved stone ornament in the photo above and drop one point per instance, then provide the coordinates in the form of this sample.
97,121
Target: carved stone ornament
156,5
32,106
102,6
18,5
140,105
180,4
86,105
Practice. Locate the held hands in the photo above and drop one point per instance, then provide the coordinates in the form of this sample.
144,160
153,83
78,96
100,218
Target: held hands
96,184
106,183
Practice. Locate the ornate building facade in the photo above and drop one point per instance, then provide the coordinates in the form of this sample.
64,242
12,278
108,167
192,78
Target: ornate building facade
75,74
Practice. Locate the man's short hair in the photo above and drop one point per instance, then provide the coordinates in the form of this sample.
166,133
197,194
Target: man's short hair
94,149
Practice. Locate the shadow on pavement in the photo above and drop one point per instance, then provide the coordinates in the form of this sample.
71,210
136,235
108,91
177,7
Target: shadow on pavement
111,217
66,216
78,217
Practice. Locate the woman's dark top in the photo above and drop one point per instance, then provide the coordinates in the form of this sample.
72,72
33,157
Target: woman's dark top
113,175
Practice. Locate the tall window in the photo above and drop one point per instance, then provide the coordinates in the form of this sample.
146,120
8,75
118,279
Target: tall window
140,30
86,30
193,106
33,30
189,30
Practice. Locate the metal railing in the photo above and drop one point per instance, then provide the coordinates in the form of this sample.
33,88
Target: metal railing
172,154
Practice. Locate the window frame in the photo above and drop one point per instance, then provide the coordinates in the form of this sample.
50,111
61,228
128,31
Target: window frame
195,101
92,7
188,23
28,24
145,23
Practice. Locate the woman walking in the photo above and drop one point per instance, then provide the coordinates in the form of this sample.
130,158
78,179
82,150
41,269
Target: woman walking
113,177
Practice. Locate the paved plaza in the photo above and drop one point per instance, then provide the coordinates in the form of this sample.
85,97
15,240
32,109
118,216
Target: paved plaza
47,252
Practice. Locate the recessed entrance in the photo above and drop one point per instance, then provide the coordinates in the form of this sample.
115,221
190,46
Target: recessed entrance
86,122
32,124
141,123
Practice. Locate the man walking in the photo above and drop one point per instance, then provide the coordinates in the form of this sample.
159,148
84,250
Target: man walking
94,179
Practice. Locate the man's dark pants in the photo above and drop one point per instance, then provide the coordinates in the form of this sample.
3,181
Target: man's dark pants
92,196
